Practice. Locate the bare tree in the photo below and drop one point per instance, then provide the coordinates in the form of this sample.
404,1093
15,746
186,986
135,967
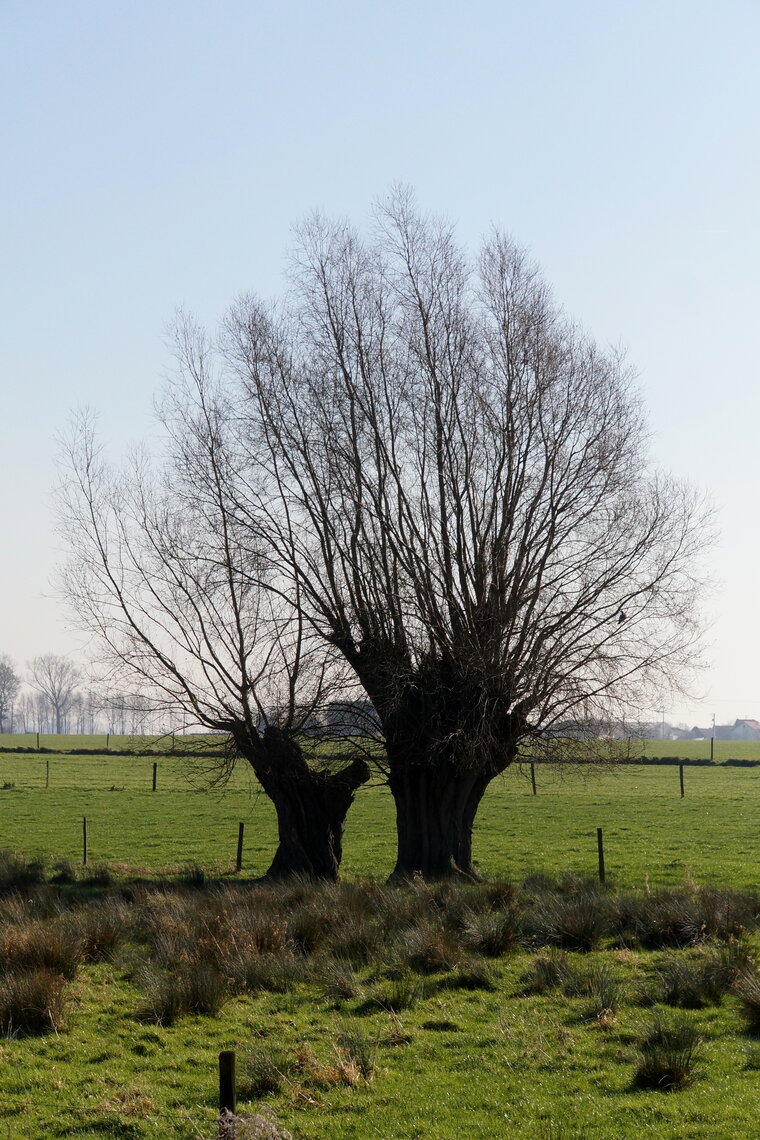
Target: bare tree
191,622
456,479
10,683
57,679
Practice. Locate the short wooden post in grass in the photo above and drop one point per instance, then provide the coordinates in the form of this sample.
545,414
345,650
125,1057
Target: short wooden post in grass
108,737
38,741
84,841
239,860
227,1099
533,777
155,771
600,850
47,773
680,778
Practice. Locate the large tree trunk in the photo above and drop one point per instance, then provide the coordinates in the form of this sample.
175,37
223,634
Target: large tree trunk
311,805
446,736
435,811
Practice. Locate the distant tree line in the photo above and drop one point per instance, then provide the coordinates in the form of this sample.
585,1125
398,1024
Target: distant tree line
54,696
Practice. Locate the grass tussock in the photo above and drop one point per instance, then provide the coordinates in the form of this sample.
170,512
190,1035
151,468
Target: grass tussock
17,873
99,929
272,1070
196,987
747,989
682,917
32,1002
669,1051
598,985
33,945
571,919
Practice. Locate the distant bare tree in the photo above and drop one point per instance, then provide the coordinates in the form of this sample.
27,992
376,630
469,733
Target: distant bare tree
10,683
56,678
456,477
190,622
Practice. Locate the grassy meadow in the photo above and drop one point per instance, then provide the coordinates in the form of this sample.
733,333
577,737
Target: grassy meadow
651,835
363,1012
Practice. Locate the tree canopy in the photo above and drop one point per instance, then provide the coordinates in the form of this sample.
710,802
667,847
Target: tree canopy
441,481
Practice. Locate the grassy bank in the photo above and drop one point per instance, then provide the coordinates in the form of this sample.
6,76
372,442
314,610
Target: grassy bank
364,1011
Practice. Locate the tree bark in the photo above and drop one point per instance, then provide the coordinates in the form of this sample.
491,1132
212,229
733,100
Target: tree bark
446,739
311,806
435,811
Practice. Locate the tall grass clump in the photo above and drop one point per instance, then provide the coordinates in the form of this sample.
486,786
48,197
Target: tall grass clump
31,1002
39,945
430,949
339,981
400,993
704,979
261,1125
548,971
598,985
669,1050
265,1072
577,920
100,928
493,932
17,873
196,987
685,916
747,989
357,1049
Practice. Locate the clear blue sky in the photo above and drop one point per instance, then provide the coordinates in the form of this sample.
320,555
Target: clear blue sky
156,154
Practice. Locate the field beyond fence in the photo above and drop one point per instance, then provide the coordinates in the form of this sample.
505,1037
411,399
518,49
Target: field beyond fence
652,835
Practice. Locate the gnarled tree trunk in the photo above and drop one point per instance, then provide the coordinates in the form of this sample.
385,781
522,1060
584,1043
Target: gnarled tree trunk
311,806
436,804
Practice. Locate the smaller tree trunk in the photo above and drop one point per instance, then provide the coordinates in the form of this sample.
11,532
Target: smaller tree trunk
311,806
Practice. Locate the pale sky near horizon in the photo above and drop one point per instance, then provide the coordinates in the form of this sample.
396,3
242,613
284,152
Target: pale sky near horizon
156,155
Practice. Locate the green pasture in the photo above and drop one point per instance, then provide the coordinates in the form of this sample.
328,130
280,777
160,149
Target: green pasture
68,742
690,750
480,1065
459,1063
651,835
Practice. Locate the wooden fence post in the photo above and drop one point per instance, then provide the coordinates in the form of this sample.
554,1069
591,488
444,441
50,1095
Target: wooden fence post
533,777
239,860
47,773
680,777
84,841
227,1099
155,770
600,850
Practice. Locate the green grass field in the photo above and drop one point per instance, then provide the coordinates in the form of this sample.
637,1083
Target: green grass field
117,743
457,1064
679,749
650,833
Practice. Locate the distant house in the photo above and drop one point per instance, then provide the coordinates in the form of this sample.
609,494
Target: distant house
745,730
739,730
352,718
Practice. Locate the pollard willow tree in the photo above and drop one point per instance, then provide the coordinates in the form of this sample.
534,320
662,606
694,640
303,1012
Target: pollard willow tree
457,479
179,602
